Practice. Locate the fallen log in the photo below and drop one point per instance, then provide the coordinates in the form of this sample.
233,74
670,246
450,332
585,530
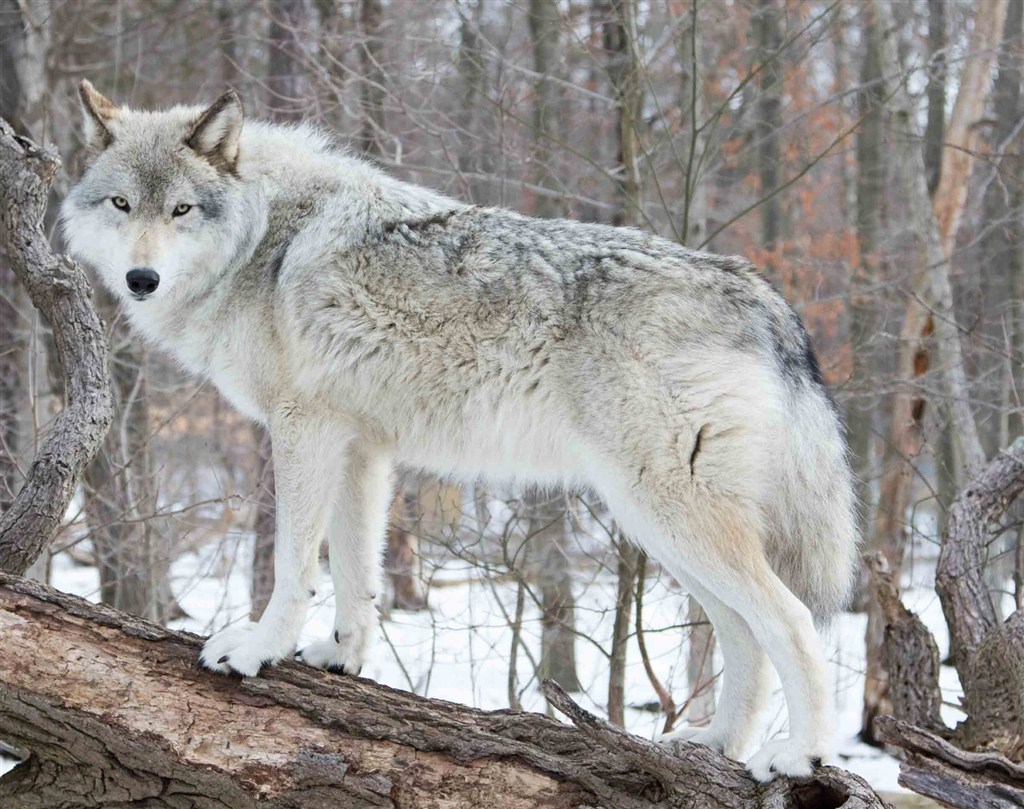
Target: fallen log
114,711
940,770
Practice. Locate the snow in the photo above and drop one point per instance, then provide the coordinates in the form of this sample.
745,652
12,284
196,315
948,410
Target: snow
458,650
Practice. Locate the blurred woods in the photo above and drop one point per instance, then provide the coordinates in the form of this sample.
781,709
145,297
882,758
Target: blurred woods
867,156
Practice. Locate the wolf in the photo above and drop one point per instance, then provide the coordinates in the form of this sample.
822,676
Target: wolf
368,322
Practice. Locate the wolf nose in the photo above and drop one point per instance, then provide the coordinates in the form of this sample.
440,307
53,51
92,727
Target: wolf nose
142,280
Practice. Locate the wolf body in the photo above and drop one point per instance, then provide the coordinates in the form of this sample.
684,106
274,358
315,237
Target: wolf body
369,322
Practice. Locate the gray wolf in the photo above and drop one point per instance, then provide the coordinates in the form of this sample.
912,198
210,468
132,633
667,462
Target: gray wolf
369,322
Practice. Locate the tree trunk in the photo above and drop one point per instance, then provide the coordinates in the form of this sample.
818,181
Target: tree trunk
474,145
60,291
628,560
371,136
284,74
402,556
544,28
114,711
768,36
551,570
935,227
981,762
1003,279
624,72
935,129
872,169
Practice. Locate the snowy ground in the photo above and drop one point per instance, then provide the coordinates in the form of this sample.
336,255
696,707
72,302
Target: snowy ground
459,649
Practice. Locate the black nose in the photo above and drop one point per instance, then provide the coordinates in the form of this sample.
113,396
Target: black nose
142,280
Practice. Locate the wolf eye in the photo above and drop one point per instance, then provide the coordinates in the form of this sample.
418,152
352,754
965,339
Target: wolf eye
181,209
121,204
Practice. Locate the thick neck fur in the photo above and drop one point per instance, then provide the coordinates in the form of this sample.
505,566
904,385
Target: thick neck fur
291,182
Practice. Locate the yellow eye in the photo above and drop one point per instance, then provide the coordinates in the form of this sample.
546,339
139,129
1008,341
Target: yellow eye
121,204
181,209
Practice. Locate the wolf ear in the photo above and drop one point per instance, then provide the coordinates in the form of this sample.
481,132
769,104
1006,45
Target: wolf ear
214,134
98,112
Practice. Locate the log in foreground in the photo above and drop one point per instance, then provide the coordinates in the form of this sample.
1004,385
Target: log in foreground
114,711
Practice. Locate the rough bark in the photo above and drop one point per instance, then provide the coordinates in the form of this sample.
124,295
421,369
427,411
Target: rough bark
114,711
61,292
988,656
979,763
909,654
941,770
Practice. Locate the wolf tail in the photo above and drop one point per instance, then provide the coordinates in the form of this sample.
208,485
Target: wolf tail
813,539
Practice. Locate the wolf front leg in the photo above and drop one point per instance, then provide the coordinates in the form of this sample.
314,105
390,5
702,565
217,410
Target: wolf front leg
307,471
355,536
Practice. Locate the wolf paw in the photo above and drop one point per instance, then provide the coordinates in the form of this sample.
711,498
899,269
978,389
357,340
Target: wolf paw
342,653
709,737
784,757
244,649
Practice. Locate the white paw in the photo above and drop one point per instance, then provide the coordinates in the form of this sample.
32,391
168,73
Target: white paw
342,653
710,736
784,757
244,649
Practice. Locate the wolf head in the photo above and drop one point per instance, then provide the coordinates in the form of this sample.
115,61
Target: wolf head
154,209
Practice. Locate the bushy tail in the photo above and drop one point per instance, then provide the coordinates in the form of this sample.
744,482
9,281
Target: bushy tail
815,538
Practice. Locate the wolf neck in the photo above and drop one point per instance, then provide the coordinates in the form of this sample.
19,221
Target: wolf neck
302,172
296,194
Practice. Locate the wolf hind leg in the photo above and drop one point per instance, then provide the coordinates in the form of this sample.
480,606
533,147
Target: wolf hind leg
716,540
745,681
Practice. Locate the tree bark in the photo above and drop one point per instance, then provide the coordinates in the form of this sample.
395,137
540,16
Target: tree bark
114,711
61,292
942,771
989,656
980,763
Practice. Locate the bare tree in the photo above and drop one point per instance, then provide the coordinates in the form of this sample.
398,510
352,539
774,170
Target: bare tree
935,220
